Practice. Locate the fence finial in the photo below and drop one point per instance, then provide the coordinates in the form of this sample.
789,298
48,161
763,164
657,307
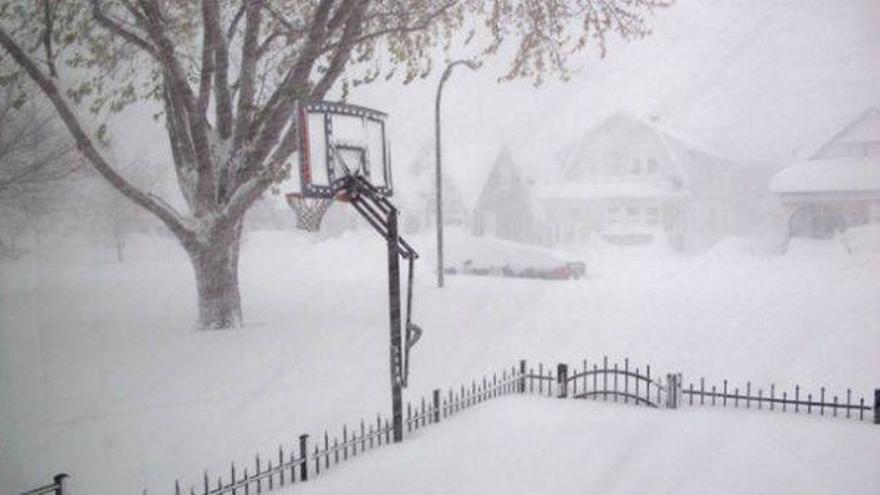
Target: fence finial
562,380
304,456
60,480
436,405
673,390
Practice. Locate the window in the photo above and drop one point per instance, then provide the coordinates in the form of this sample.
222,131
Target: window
636,168
652,216
652,166
633,216
614,215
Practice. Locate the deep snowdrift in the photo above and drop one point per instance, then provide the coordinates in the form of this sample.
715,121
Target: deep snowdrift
103,376
545,446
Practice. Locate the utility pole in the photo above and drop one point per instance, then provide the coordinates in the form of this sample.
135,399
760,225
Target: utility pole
439,178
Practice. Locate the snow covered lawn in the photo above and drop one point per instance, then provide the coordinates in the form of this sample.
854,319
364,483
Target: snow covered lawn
103,377
531,445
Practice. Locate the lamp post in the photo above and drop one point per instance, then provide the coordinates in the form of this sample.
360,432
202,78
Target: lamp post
439,187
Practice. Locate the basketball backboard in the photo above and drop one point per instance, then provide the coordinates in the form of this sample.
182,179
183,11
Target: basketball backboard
338,140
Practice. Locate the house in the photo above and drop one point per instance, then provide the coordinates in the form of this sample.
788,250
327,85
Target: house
504,207
631,181
416,195
838,186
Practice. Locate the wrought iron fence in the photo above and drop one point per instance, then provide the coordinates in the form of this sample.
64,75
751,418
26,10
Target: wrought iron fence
605,383
57,487
268,473
598,380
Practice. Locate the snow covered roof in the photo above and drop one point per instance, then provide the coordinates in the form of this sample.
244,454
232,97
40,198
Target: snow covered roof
466,170
858,174
677,145
864,129
682,140
605,190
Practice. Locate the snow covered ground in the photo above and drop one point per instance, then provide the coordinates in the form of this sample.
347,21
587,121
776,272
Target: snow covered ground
536,446
104,377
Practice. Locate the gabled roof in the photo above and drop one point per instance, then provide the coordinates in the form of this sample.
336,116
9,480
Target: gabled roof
676,144
863,129
504,160
466,170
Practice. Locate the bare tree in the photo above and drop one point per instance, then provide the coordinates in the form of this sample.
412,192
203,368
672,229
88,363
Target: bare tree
228,74
31,151
34,157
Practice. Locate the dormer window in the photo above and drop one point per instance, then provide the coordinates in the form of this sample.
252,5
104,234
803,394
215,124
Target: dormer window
636,168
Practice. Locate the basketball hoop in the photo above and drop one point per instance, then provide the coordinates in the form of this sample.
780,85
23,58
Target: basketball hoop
343,154
309,211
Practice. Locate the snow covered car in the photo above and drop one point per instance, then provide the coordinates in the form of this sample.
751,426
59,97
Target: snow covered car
484,256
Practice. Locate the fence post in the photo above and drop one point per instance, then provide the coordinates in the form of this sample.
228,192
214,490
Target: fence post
562,380
672,390
61,487
304,458
436,405
877,406
522,376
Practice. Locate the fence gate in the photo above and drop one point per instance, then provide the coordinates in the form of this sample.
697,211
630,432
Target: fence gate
617,383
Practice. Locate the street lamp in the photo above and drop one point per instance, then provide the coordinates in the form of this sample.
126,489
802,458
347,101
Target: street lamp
446,73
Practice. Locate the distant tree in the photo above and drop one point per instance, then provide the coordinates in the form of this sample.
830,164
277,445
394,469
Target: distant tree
34,157
113,218
227,74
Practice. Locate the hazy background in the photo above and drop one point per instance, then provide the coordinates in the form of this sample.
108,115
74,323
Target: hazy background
103,375
761,81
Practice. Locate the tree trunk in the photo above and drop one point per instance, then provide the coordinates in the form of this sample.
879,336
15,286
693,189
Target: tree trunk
215,263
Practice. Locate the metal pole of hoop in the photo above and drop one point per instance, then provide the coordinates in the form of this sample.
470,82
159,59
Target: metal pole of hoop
396,338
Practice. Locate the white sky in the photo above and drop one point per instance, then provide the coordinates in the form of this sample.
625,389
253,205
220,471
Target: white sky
762,80
757,79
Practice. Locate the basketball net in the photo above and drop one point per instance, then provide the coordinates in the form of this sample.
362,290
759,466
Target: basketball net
309,211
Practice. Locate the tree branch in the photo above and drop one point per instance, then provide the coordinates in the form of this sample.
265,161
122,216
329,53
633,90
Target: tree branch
353,28
277,111
21,177
293,31
267,44
247,74
181,149
423,23
183,100
120,30
207,73
230,32
166,214
49,22
223,100
245,195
